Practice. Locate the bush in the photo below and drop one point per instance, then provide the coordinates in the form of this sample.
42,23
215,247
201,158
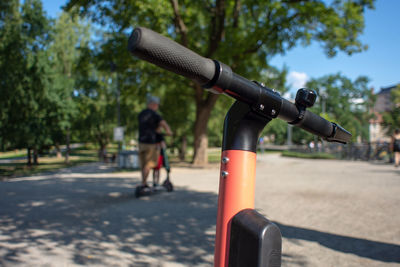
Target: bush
314,155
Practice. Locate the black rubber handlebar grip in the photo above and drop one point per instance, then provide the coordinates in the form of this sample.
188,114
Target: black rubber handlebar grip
167,54
316,125
340,135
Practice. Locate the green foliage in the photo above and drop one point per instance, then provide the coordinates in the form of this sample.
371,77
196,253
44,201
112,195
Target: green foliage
95,98
48,163
24,68
315,155
278,130
38,72
341,100
243,34
70,38
53,78
346,102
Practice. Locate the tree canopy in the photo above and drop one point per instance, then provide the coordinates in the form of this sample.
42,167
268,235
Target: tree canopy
346,102
24,69
64,79
38,64
244,34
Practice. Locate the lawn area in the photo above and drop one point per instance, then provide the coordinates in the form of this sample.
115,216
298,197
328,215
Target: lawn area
13,154
46,163
315,155
84,154
214,155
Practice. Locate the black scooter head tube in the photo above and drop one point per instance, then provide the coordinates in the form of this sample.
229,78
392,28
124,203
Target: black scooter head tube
219,78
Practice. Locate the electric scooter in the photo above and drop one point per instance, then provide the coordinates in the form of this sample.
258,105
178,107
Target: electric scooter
156,188
243,236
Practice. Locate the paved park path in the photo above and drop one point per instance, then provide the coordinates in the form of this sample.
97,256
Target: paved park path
331,213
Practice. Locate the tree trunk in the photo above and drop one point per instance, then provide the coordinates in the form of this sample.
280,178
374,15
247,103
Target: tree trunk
35,157
104,153
68,134
183,148
204,102
29,154
203,112
58,150
200,156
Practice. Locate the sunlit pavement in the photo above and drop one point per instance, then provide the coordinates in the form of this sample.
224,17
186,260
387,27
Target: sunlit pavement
331,213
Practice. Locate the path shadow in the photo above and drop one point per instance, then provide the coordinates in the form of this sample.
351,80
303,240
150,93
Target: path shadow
99,221
374,250
90,168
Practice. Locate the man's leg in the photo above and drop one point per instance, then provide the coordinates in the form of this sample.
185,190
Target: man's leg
145,174
148,155
156,175
143,159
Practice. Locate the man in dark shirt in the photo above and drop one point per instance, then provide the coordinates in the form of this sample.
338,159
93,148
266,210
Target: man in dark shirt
150,123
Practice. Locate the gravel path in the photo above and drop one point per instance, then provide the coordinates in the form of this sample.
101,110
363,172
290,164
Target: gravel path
331,213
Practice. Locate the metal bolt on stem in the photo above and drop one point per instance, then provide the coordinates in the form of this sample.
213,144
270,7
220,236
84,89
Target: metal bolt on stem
273,112
224,174
225,160
261,107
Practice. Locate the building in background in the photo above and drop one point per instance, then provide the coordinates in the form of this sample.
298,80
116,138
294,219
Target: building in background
383,103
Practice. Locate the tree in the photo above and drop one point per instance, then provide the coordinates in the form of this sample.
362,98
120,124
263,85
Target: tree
70,37
346,102
12,69
95,99
24,77
241,33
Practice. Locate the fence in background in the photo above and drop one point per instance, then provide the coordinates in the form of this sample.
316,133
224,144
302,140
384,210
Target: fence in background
379,151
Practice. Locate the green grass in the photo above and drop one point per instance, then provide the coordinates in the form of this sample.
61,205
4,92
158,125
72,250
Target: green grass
315,155
47,163
84,154
269,151
214,156
12,154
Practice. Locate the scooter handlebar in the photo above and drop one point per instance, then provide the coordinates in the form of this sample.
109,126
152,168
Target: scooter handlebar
339,135
330,131
167,54
313,123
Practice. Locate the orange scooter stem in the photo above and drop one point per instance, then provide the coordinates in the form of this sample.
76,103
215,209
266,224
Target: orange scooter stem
237,177
236,192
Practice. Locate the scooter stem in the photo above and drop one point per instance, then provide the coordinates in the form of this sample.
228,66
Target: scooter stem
242,128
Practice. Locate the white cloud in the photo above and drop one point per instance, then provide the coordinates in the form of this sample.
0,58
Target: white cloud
297,80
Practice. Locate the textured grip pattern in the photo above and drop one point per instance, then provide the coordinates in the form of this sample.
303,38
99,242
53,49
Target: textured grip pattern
316,125
165,53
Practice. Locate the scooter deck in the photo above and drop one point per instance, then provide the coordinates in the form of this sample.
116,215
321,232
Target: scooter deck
147,191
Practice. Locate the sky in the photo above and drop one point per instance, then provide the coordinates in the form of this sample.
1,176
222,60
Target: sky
381,62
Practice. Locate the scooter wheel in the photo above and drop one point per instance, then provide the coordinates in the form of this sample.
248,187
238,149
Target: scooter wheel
138,191
169,187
